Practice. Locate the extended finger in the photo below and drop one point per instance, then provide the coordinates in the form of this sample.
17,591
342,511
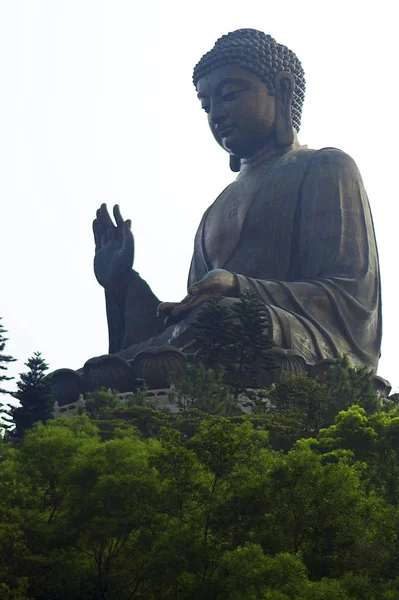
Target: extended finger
97,230
208,284
104,216
117,215
99,217
128,239
166,307
215,282
187,307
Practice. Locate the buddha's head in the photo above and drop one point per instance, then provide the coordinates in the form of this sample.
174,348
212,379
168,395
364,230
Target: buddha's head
252,90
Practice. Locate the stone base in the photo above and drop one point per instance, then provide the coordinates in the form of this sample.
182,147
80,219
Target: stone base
159,367
159,399
156,367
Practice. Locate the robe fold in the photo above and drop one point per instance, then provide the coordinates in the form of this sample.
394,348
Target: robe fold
296,227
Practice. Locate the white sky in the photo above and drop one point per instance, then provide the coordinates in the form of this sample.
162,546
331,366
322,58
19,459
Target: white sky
97,105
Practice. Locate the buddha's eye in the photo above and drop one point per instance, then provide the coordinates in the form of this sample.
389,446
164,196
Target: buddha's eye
231,95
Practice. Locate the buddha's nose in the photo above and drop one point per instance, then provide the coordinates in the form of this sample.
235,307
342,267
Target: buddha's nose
217,113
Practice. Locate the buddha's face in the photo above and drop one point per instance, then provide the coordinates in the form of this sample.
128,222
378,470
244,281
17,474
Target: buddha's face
241,114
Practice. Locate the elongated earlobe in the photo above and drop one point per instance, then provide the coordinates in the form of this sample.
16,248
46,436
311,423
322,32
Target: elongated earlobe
284,85
235,163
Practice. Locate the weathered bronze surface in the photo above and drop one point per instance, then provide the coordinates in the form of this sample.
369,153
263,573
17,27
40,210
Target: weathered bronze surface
295,225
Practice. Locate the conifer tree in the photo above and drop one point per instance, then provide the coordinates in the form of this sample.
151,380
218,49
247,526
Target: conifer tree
248,355
5,359
213,331
34,395
236,339
350,385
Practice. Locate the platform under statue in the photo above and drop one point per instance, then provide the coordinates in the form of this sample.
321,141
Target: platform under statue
295,226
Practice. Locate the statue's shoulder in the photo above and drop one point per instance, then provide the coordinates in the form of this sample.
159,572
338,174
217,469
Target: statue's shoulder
325,158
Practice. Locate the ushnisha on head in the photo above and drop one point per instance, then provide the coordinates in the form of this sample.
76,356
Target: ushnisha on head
273,66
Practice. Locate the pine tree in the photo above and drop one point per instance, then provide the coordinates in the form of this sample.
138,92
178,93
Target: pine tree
236,340
213,331
249,353
34,394
5,359
350,385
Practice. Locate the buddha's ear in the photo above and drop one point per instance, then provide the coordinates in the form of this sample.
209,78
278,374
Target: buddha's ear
235,163
284,85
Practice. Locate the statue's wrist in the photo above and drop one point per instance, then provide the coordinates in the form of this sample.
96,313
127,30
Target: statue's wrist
235,286
118,288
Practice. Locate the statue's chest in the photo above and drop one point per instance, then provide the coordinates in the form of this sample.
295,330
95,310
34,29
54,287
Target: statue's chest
225,220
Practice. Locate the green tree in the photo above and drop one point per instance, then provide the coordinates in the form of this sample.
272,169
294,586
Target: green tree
235,338
204,389
84,512
297,407
247,573
213,331
34,395
350,385
139,504
5,359
371,440
249,357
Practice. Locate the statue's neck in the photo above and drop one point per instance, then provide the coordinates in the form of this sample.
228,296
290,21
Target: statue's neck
267,153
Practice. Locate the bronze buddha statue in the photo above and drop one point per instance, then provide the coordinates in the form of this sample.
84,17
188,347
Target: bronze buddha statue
295,226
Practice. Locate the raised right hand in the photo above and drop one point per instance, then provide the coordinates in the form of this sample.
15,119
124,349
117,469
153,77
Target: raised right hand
114,255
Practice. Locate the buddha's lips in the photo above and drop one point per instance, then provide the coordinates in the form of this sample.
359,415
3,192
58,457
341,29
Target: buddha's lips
226,131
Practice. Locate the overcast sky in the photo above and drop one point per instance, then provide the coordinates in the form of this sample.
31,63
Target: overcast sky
97,105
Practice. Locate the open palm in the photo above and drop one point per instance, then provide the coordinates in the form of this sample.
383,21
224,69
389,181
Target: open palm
114,252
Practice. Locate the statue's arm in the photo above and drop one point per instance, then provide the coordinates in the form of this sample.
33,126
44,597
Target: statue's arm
133,318
332,303
131,305
115,320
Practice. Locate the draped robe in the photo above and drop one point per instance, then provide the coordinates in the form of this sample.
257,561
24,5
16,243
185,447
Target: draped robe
296,227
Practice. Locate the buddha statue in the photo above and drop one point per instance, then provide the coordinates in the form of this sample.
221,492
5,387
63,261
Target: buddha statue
295,226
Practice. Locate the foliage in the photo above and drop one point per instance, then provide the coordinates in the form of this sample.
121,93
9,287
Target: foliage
296,407
348,386
5,359
113,418
204,388
289,502
299,406
234,340
34,395
248,356
131,504
213,331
